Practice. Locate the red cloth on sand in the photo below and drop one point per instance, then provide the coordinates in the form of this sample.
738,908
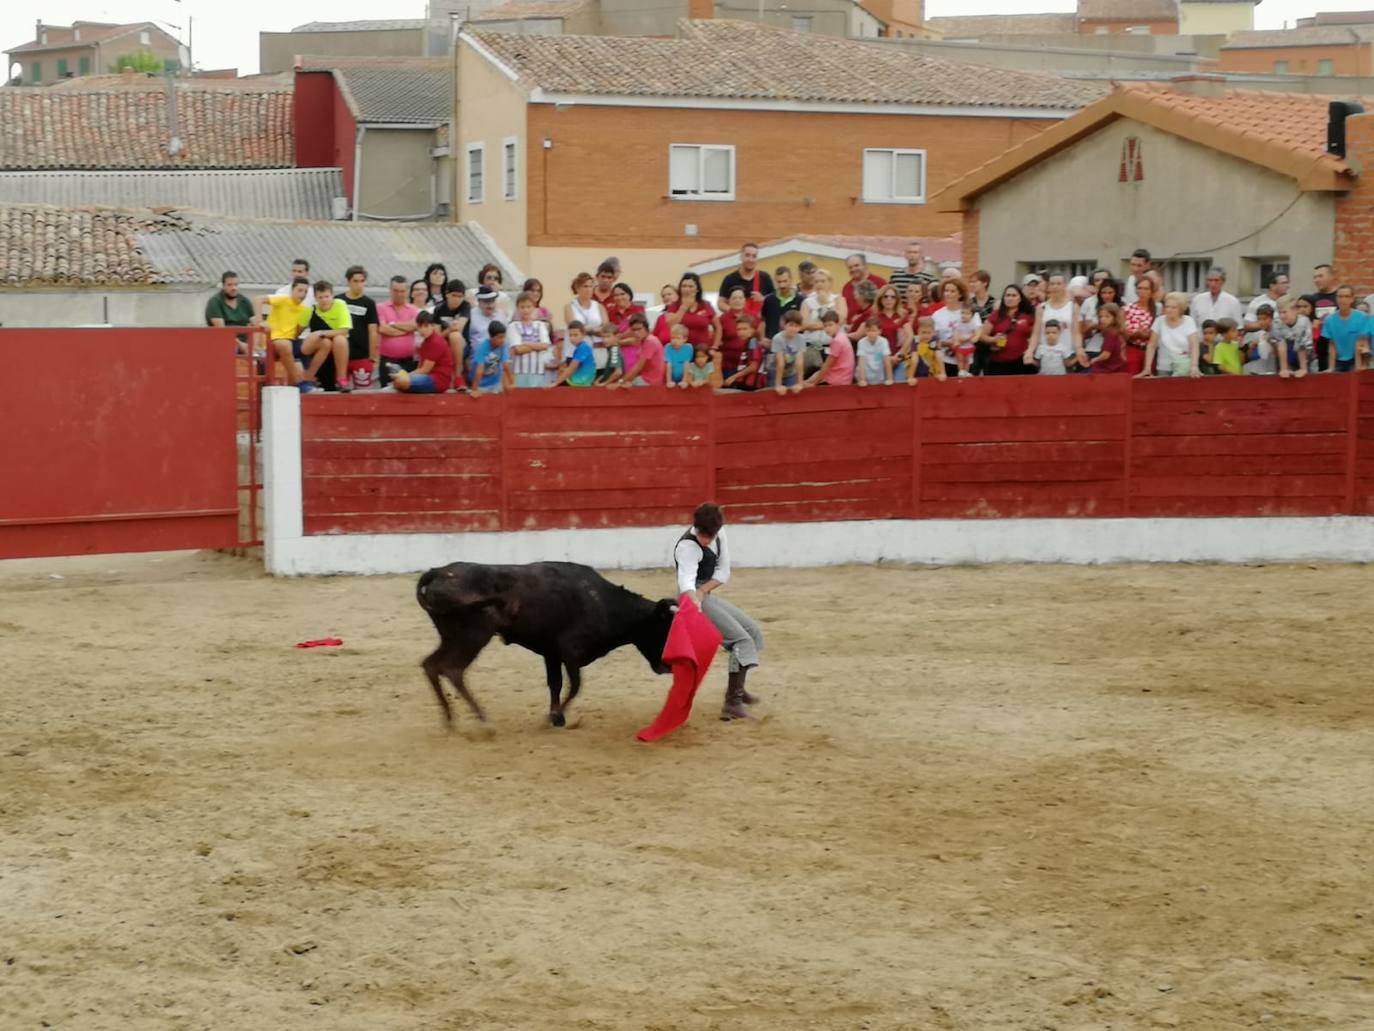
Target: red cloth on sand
693,641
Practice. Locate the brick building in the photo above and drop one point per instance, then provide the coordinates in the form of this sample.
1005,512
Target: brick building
60,52
672,151
1316,50
1240,179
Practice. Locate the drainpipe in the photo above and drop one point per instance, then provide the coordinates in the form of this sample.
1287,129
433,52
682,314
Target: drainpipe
358,169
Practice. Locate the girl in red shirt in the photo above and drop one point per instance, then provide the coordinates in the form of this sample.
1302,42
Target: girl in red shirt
1138,320
1008,332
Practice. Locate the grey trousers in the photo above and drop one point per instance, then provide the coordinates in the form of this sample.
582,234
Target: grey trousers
742,637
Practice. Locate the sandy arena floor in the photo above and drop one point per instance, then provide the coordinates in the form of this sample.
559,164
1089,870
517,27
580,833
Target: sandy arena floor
982,798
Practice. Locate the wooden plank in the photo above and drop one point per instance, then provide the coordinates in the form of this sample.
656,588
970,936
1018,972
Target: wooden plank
601,478
747,494
483,485
1232,408
1238,486
606,439
340,504
1068,428
423,522
604,518
882,422
606,458
685,497
1207,424
572,421
481,451
1021,472
734,459
391,404
1252,464
849,400
1078,398
1240,444
355,465
1008,492
1233,388
1026,508
893,506
530,399
340,427
1023,451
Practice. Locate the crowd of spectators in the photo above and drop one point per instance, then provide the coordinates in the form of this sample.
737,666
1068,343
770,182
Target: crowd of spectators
789,330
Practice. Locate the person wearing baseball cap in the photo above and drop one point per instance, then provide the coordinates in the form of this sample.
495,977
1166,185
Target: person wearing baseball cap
1032,286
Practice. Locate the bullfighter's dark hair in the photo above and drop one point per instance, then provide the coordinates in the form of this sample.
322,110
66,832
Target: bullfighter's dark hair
708,519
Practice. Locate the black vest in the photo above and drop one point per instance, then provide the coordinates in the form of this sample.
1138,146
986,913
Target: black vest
706,566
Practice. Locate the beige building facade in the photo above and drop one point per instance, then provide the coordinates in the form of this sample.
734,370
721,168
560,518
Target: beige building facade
1238,179
59,52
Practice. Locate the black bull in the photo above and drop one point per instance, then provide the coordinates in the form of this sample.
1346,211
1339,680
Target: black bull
568,613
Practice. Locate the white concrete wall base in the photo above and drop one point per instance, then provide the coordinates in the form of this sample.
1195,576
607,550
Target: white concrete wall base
925,542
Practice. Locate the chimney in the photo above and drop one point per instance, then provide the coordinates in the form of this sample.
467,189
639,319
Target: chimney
1353,245
703,10
1337,112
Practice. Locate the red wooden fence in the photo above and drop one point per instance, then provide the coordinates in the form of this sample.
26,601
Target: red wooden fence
990,448
118,440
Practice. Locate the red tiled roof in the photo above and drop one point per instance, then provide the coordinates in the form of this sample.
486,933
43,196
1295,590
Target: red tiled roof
1285,132
126,128
46,246
744,61
1296,121
965,25
1135,11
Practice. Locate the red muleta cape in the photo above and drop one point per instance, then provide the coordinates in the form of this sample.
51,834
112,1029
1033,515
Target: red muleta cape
692,643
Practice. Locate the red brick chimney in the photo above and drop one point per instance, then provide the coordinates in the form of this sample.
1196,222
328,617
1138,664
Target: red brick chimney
1353,249
701,9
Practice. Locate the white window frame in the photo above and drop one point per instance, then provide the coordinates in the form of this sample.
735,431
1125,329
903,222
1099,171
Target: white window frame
510,169
701,149
919,198
145,38
481,150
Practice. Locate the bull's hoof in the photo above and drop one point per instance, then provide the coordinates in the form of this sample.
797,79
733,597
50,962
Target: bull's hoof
557,719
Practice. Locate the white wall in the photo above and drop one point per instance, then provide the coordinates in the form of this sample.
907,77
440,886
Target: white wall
289,552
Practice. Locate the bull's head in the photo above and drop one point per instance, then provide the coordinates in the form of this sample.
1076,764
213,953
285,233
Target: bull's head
652,635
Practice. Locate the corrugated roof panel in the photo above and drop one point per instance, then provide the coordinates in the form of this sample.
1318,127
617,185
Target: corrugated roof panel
262,252
294,193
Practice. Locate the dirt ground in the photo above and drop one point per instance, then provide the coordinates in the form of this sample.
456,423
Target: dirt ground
982,798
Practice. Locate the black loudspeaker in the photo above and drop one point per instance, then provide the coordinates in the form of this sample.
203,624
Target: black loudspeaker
1337,112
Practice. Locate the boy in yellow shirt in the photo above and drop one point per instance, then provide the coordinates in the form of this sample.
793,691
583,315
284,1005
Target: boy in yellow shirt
923,350
285,315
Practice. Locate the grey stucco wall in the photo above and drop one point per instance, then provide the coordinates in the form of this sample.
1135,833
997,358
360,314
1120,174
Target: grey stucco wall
1193,199
72,306
277,50
397,170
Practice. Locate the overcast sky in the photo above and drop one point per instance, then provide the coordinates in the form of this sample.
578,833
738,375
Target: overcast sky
226,33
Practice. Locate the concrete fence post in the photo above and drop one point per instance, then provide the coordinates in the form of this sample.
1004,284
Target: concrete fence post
282,494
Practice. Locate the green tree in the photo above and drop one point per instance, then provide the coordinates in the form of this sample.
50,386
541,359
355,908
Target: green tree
140,61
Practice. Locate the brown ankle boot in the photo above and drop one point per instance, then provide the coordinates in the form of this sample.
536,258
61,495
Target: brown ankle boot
734,707
745,696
